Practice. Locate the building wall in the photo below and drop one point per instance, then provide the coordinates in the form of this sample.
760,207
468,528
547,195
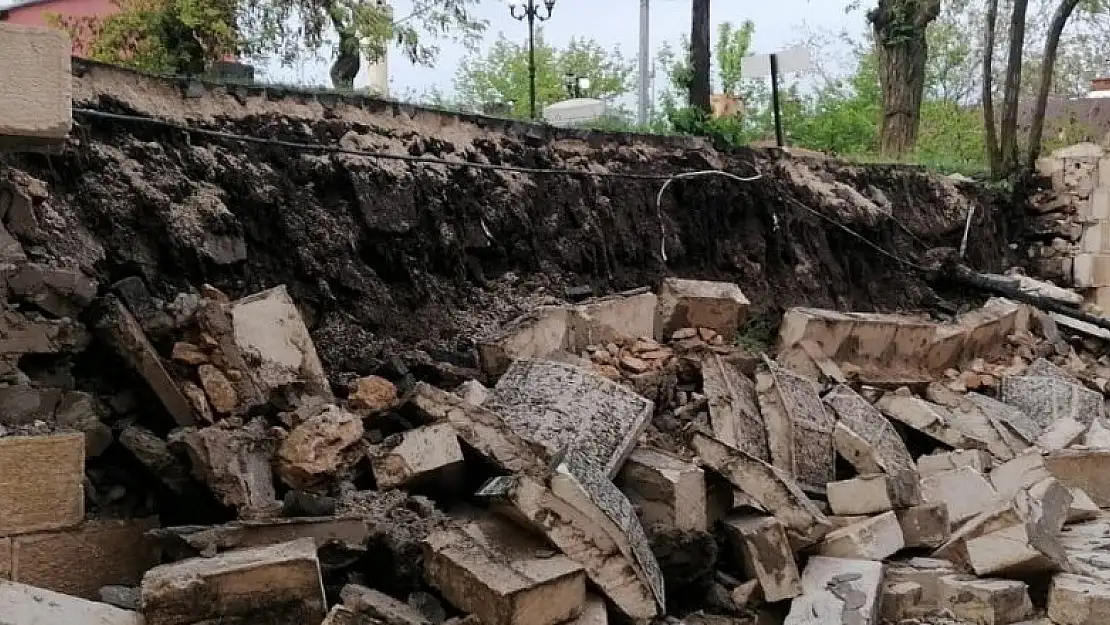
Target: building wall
38,14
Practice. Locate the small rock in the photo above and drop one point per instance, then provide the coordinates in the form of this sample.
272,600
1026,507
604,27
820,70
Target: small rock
635,365
684,333
707,334
189,354
198,400
372,393
221,394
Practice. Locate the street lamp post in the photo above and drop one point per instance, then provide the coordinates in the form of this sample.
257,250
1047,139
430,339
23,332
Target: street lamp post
530,10
575,84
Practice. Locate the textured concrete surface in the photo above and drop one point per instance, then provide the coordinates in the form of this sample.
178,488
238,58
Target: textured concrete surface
35,88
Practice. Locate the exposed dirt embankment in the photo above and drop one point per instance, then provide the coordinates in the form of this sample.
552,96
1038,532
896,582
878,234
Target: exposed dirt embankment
387,256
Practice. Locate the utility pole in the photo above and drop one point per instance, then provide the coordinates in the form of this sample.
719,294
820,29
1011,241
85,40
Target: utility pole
699,56
645,61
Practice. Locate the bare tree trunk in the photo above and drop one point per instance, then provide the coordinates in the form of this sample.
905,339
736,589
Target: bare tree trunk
699,56
990,131
1051,47
899,27
1012,90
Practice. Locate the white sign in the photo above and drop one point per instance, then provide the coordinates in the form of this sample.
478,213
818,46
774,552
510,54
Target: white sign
794,60
577,111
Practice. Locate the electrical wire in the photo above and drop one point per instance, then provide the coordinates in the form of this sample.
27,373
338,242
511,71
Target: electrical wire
859,236
683,176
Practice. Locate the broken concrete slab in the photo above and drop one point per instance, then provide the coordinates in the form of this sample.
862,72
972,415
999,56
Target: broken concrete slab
799,429
277,584
666,490
378,605
954,549
608,319
1097,436
1022,472
985,601
838,590
977,459
870,443
324,445
348,531
733,407
235,463
875,538
535,335
60,291
761,545
1084,469
503,576
719,306
560,407
41,482
941,423
429,454
926,525
1061,434
768,486
1016,429
27,605
1076,600
1046,399
866,494
965,491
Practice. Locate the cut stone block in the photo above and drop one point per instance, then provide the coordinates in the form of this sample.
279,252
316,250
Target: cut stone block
940,423
870,443
1048,399
733,407
965,491
924,574
36,112
867,494
1087,470
876,538
719,306
1091,270
926,525
900,601
41,480
955,549
537,334
769,487
976,459
378,605
799,429
1017,429
667,490
278,584
1022,472
985,601
480,429
561,407
424,455
1082,508
235,463
1061,434
1076,600
80,561
349,532
837,590
27,605
610,319
760,543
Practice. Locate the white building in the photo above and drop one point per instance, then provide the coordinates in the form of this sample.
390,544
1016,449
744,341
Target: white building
374,76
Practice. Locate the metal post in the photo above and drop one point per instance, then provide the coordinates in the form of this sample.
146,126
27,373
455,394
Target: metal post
775,98
645,53
532,58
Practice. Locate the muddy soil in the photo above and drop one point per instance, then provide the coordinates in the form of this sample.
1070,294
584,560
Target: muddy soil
397,266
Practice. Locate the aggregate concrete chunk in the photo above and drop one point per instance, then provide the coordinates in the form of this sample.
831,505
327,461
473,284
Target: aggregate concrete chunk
426,454
560,406
1061,434
965,491
1046,399
41,482
235,463
838,591
985,601
537,334
799,429
273,585
316,450
769,487
27,605
1076,600
926,525
733,408
719,306
875,538
503,576
271,334
378,605
1086,469
866,494
667,490
1022,472
976,459
35,114
760,543
870,443
350,532
480,429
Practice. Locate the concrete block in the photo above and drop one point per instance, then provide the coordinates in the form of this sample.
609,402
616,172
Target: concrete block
609,319
1082,508
876,538
799,429
559,406
776,492
954,549
277,584
1016,429
977,459
867,494
733,407
1022,472
1048,399
921,573
760,543
1086,469
719,306
594,612
425,455
667,490
235,464
535,335
1061,434
1007,553
35,113
837,590
1076,600
1091,270
985,601
41,481
965,491
80,561
900,600
27,605
926,525
870,443
480,429
378,605
965,429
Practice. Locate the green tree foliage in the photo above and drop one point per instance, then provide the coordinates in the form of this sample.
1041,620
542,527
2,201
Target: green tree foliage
733,44
501,74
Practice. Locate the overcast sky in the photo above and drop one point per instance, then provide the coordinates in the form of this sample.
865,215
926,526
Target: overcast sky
613,23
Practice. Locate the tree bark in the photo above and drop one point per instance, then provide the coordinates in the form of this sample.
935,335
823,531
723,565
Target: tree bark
1051,47
1012,89
699,56
899,27
994,158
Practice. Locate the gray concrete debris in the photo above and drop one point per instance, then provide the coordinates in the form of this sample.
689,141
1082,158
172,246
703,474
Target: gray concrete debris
235,463
733,409
799,429
1046,399
838,591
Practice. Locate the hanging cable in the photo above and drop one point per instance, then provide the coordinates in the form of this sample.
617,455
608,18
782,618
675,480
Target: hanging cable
683,176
